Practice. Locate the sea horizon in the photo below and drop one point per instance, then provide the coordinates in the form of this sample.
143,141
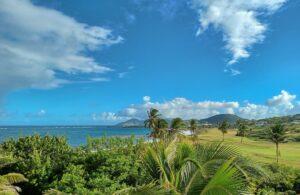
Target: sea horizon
75,135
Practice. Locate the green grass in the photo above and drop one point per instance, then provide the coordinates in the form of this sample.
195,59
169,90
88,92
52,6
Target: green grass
259,150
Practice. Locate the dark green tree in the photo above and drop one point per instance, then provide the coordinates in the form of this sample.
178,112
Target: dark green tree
193,125
242,129
277,134
152,122
176,124
162,124
223,127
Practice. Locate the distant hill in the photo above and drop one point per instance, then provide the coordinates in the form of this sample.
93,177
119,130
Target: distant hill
217,119
131,123
284,119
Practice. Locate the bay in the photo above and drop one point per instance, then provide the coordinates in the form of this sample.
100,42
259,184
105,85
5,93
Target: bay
76,135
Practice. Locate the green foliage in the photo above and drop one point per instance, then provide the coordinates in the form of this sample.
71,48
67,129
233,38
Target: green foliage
277,134
223,127
162,124
103,166
41,159
72,179
182,168
153,116
130,166
193,125
242,129
155,123
8,181
176,124
282,179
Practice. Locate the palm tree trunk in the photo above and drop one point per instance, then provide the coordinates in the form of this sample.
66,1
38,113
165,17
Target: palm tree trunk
223,136
277,152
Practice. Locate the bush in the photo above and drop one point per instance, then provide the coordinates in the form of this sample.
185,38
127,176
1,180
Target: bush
281,179
104,165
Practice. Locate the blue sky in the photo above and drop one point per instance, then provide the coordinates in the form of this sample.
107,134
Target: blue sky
101,62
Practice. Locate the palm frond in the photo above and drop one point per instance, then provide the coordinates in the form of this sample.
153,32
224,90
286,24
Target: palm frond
227,180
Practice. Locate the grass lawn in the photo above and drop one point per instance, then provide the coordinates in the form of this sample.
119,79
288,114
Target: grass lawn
263,151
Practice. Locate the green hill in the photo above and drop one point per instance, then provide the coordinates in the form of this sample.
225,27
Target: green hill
131,123
217,119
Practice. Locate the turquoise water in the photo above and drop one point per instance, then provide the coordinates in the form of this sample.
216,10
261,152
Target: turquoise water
76,135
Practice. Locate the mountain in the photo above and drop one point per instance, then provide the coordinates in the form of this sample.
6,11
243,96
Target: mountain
217,119
131,123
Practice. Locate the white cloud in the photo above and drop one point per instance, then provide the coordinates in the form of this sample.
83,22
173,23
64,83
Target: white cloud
282,104
179,107
37,43
107,116
146,98
283,100
238,20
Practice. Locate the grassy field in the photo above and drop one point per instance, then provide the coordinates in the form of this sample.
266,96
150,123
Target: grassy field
259,150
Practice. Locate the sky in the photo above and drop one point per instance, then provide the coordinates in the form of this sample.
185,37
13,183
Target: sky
102,62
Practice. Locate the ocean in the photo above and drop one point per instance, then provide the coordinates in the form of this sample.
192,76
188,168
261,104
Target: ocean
76,135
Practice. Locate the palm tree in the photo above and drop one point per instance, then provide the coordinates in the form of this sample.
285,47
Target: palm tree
223,127
193,125
277,135
162,124
152,121
176,124
242,129
182,168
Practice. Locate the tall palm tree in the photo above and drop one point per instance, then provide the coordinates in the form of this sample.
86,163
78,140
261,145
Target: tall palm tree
277,134
223,127
193,125
182,168
152,121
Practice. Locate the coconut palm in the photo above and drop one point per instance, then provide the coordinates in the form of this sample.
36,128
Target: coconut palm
223,127
182,168
277,134
152,121
193,125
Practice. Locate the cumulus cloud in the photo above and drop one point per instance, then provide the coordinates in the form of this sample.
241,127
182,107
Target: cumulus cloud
179,107
284,100
37,43
282,104
238,20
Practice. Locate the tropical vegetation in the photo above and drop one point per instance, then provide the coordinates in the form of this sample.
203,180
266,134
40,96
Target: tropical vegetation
170,164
